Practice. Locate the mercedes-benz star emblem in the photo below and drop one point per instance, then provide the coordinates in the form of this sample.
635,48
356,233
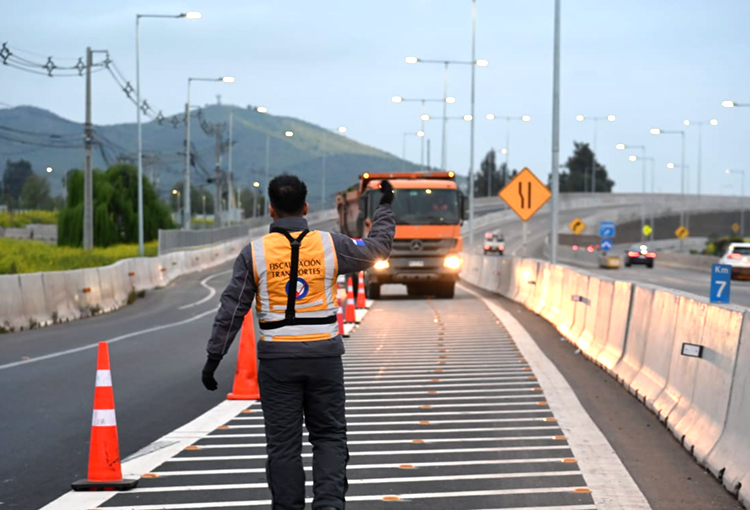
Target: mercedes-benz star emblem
416,245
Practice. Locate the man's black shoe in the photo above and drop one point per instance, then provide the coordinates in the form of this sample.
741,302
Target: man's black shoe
327,508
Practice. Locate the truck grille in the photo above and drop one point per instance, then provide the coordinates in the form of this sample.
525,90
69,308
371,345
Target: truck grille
423,247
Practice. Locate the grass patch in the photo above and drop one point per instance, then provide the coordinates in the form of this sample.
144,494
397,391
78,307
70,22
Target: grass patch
24,256
21,219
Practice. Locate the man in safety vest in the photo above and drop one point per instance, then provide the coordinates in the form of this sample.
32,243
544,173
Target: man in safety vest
291,273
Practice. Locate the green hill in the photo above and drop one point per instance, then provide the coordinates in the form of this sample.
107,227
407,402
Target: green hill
46,139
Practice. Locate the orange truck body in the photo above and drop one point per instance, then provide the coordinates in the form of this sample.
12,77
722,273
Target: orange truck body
429,210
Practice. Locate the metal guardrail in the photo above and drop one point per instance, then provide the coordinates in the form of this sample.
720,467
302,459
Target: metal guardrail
176,240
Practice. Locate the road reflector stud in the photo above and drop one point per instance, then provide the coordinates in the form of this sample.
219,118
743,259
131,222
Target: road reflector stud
533,377
163,269
192,447
131,273
86,290
582,490
439,370
25,358
150,475
550,419
418,441
434,380
442,356
424,422
559,438
248,411
406,466
542,403
222,427
441,362
432,392
569,461
526,368
536,389
391,498
425,406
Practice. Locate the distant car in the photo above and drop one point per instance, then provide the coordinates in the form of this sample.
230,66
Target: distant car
640,254
738,256
494,243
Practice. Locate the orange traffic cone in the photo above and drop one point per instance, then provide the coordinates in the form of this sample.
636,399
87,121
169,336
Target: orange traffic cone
105,472
246,376
340,313
351,313
361,300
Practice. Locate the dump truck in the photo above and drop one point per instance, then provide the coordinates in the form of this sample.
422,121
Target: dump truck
429,210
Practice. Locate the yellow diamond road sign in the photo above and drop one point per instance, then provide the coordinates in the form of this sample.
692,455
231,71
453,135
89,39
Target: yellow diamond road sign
577,226
681,232
525,194
736,227
647,230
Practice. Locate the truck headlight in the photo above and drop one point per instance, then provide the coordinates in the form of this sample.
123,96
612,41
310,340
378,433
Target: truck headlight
452,262
381,265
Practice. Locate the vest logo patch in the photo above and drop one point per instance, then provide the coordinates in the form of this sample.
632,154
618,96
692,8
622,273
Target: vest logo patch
358,242
302,288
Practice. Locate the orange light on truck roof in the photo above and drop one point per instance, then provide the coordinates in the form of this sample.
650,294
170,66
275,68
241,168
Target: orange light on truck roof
451,174
365,175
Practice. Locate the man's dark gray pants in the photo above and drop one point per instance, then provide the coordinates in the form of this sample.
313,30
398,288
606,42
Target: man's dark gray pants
313,388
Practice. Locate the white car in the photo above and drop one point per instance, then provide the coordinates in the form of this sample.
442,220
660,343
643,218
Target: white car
738,256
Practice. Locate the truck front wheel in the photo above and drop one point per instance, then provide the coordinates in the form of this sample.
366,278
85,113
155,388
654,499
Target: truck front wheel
373,291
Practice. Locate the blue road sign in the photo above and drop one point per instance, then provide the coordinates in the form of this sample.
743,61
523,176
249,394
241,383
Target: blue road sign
605,244
721,279
607,229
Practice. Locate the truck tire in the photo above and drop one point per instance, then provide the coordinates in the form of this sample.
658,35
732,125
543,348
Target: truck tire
373,291
446,290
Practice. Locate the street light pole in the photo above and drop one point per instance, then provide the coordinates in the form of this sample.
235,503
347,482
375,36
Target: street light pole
187,15
700,124
581,118
473,116
555,138
506,150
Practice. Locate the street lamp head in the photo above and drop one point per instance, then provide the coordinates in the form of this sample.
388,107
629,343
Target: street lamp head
412,60
424,117
611,118
450,100
342,129
261,109
728,171
490,116
728,104
620,146
503,151
420,134
174,191
526,118
482,63
256,184
633,157
655,131
580,118
397,99
192,15
670,165
686,122
289,134
49,169
227,79
468,118
713,122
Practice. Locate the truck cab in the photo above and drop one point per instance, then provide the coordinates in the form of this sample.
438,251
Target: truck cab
429,210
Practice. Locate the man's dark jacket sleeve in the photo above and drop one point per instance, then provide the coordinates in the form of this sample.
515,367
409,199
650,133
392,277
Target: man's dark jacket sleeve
235,303
353,257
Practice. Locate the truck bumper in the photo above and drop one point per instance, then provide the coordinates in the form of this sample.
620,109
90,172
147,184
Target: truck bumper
400,272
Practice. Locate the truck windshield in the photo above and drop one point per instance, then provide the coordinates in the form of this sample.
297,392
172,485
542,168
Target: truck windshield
426,206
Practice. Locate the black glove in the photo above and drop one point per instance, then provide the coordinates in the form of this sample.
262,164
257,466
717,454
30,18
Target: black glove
387,189
208,374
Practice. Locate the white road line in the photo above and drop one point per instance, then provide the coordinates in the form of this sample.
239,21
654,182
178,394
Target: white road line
382,497
442,392
110,341
531,404
431,398
211,290
425,414
611,484
361,481
349,467
441,385
573,507
411,422
420,431
490,376
384,453
233,446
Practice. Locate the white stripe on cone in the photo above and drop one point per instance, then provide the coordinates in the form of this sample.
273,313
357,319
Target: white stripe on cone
103,378
104,418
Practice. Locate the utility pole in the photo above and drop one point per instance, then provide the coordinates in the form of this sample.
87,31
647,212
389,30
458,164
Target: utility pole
428,153
88,186
268,161
231,203
323,178
217,178
555,138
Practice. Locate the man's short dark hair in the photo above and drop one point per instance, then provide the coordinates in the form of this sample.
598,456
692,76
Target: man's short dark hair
288,195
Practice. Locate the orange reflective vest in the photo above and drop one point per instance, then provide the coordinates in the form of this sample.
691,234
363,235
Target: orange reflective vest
311,314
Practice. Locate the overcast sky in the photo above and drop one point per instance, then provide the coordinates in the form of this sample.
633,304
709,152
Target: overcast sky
334,62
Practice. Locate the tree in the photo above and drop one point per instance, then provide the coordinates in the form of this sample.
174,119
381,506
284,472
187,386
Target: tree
249,199
115,208
578,175
488,171
14,177
35,194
